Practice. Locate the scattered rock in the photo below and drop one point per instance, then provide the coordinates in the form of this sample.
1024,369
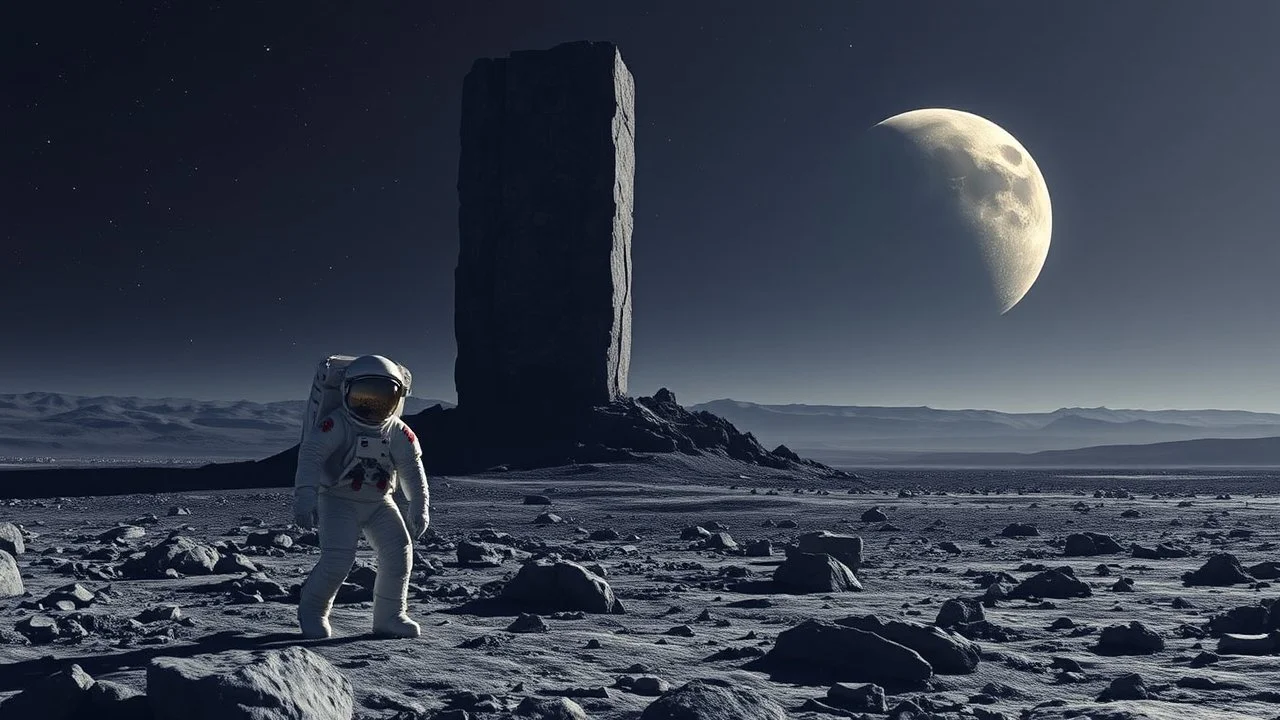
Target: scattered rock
160,613
537,500
713,699
865,697
957,611
11,539
63,695
1232,644
818,652
1125,687
10,578
697,532
1131,639
528,623
805,572
1090,543
845,548
264,685
557,708
1019,530
947,652
122,533
1060,582
178,554
721,541
555,585
1219,570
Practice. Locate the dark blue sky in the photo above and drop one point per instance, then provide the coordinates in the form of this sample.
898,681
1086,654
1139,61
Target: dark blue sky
203,200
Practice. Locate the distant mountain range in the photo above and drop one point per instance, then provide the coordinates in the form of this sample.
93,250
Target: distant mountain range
1253,452
43,424
895,434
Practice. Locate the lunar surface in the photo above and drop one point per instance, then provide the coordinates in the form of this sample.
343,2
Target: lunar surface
954,207
1162,610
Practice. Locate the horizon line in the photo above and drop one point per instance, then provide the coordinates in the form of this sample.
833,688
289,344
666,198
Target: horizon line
705,402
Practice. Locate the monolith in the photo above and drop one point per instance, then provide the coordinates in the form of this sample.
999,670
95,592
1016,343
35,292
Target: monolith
542,303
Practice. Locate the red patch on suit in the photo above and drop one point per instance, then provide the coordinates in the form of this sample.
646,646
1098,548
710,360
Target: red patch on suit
327,425
409,434
382,484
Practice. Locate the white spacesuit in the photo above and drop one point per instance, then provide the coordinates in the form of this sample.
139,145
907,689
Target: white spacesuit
348,468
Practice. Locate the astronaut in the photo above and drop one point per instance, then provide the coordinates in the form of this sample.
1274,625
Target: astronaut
348,468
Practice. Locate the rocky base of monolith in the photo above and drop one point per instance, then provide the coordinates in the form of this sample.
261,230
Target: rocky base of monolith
457,442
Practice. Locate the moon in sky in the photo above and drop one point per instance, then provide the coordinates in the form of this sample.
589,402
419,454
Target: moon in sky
954,206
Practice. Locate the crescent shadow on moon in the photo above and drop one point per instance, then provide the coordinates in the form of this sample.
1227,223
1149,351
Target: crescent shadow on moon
953,208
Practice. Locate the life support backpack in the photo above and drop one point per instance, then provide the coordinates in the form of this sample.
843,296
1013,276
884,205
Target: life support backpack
326,391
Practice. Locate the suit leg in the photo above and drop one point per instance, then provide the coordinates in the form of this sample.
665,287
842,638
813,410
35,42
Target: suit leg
339,533
386,532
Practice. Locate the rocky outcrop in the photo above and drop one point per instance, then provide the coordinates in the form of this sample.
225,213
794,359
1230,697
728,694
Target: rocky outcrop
559,585
713,699
948,652
265,685
817,652
814,573
543,285
458,441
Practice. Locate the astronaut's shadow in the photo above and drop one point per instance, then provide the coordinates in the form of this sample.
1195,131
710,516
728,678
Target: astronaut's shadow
18,675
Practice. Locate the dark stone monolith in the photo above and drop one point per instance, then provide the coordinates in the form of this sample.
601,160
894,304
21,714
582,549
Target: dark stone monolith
542,294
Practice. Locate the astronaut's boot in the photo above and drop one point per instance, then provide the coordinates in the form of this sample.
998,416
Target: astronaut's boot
313,616
391,618
315,598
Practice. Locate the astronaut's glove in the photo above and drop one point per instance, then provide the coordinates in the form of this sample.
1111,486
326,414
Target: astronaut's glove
418,525
304,507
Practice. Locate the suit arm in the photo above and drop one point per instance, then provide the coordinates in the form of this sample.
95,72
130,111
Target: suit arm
407,455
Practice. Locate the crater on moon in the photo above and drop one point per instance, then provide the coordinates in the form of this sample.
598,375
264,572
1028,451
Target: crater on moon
951,210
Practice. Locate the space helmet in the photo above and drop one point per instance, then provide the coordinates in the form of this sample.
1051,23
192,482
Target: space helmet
371,389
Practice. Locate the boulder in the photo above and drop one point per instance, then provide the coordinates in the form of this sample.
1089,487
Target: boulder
959,611
1060,582
1234,644
1131,639
122,533
559,585
696,532
11,539
721,541
1090,543
814,573
864,697
713,699
1019,530
845,548
286,684
61,696
948,652
874,515
481,554
179,553
1221,569
818,652
10,578
557,708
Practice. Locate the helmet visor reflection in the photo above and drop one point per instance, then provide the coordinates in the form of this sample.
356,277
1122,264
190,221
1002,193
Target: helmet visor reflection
373,399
